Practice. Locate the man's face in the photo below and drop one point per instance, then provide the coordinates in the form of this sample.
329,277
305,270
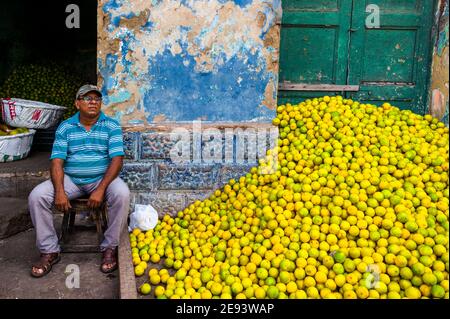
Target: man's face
89,104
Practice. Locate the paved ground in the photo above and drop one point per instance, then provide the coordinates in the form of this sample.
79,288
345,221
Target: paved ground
36,161
17,253
18,178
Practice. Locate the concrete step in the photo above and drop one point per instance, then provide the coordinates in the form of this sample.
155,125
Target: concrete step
14,216
18,178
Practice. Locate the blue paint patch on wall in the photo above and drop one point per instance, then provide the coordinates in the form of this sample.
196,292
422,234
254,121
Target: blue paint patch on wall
182,94
107,8
242,3
116,20
119,97
108,70
110,5
126,37
148,25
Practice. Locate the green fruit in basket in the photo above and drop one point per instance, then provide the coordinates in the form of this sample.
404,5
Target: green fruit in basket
3,133
14,132
49,84
21,130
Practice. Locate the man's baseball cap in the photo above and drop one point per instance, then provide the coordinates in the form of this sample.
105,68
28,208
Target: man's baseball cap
86,89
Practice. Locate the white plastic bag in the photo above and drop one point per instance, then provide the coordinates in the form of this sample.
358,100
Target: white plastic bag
144,217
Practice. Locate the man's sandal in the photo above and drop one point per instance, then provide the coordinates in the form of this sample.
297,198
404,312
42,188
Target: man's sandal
45,264
109,261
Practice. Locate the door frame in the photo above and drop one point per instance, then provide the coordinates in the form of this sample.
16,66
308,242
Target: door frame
305,90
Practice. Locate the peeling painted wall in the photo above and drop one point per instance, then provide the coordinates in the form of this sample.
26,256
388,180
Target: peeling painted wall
174,61
439,106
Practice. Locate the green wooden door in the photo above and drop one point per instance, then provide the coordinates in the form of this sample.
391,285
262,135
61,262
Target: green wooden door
327,45
314,45
392,63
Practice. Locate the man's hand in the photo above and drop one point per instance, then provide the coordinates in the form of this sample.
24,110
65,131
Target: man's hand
62,202
96,198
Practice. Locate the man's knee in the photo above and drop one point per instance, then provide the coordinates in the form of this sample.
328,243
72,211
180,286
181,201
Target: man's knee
120,191
38,194
124,195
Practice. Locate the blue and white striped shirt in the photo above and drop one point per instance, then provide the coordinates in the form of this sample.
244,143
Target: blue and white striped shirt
87,155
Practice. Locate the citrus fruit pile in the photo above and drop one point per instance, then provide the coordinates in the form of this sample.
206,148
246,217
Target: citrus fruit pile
352,203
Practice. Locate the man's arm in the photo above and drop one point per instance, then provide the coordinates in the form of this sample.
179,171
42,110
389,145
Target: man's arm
96,197
57,175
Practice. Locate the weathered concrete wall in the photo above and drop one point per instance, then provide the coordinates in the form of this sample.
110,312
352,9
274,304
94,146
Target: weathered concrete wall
439,106
164,63
166,60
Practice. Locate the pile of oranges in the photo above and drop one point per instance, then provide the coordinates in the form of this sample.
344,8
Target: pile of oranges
353,202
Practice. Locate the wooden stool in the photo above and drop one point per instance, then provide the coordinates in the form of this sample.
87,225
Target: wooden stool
98,215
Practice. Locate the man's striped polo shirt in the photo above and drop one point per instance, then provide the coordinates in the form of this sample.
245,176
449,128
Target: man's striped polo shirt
87,155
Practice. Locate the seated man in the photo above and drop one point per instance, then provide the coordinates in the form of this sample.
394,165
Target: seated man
86,159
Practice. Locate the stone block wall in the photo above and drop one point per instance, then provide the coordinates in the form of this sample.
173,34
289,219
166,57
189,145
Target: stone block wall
169,185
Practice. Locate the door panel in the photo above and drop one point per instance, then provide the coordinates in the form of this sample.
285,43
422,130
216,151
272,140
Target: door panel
303,5
391,63
314,45
389,55
396,6
315,68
